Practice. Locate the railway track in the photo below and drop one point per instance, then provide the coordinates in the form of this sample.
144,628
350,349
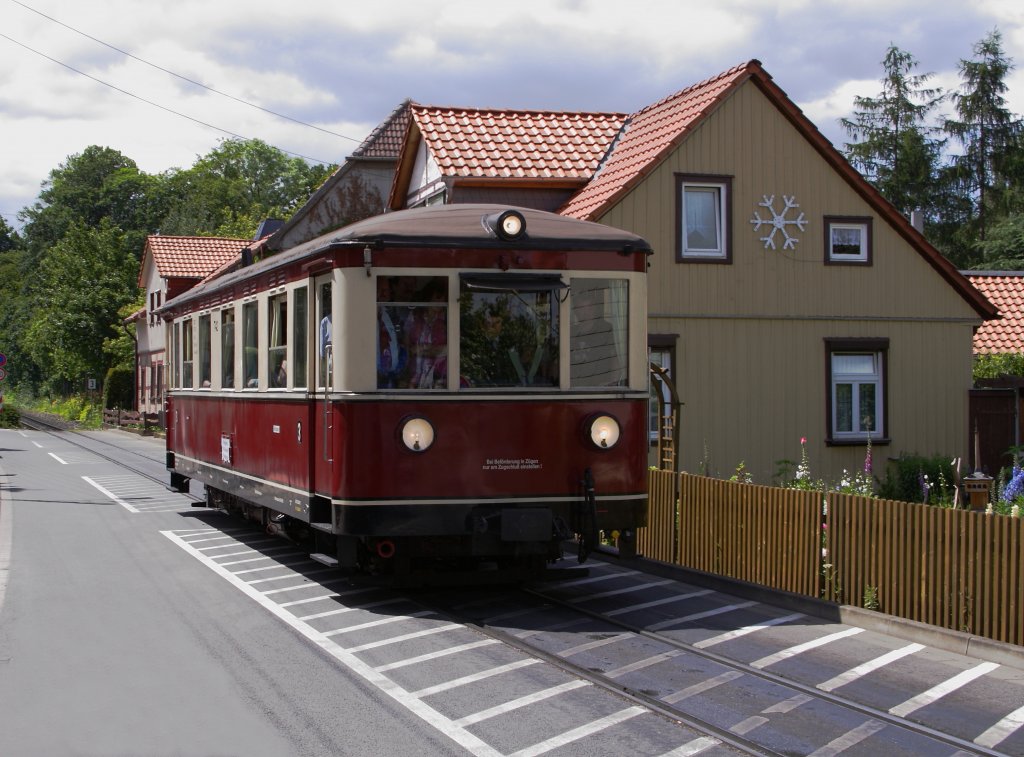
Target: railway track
681,656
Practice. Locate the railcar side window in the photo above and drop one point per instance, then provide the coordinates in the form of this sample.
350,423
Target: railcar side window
509,332
412,332
277,341
227,348
205,352
299,375
250,346
187,354
175,368
598,345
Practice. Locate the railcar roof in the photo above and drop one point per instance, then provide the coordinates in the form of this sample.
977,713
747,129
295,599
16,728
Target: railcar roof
443,226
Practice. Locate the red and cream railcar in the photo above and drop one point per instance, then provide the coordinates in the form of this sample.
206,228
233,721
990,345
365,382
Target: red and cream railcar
447,385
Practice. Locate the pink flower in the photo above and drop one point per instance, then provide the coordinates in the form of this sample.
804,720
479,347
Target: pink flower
803,440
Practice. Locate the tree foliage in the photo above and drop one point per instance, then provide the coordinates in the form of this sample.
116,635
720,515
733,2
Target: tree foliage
894,147
69,279
85,279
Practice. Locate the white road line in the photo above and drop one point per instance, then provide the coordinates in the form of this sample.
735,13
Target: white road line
659,602
110,494
516,704
578,733
786,705
849,739
785,654
432,717
614,592
730,635
218,537
474,677
746,726
553,627
594,579
700,688
247,560
275,566
942,689
405,637
693,747
698,616
38,444
641,664
333,595
62,462
291,574
376,623
868,667
305,585
340,610
1002,730
508,615
595,644
435,655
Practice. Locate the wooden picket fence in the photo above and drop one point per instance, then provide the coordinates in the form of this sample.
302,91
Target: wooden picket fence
131,419
951,568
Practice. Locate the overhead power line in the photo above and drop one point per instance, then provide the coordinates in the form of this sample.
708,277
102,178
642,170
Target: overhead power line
149,102
185,78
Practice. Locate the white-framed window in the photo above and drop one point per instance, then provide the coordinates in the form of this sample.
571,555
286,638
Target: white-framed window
847,240
856,371
704,207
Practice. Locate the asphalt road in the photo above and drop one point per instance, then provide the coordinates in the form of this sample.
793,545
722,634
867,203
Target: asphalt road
134,624
113,644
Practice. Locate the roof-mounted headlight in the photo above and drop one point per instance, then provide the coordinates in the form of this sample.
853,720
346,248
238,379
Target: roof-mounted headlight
507,225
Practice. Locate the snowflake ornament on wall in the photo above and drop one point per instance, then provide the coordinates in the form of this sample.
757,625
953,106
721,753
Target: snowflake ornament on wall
778,221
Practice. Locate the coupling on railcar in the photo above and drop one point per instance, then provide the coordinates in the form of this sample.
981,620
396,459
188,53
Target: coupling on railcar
456,386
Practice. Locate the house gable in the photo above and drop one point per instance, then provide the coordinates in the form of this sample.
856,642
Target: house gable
485,151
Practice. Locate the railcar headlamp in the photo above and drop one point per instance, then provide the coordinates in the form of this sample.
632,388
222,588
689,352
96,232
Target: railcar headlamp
604,431
417,434
507,225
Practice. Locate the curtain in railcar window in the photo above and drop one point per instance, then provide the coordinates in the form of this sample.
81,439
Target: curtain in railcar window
205,352
186,354
278,341
299,329
227,349
250,346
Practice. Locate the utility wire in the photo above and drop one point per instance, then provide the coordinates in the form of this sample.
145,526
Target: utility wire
150,102
185,78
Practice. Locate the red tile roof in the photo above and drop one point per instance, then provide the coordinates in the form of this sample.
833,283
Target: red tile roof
1005,290
385,141
192,257
648,138
508,144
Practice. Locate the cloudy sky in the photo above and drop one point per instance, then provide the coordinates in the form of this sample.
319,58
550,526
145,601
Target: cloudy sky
164,82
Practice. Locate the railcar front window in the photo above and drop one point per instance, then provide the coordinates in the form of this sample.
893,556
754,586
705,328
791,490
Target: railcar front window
509,333
187,355
205,352
227,349
250,348
299,374
412,332
598,346
277,339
